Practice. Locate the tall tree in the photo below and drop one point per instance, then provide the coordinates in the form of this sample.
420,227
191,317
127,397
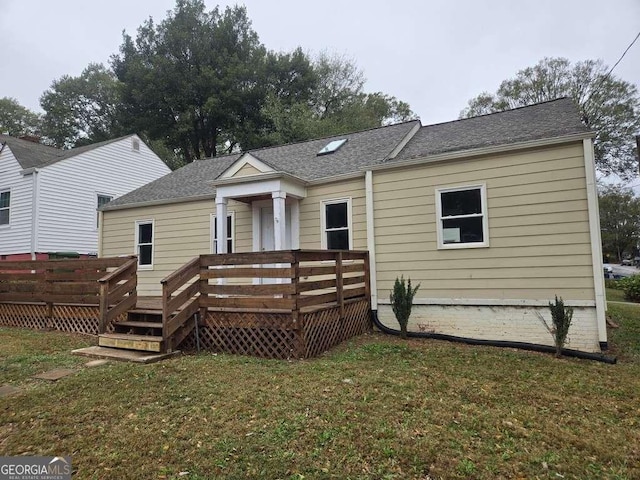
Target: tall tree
619,221
608,105
192,80
16,120
83,109
337,104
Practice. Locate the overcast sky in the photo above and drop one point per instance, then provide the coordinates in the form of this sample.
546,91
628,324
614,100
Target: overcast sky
435,54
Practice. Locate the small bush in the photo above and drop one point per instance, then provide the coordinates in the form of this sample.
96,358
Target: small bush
561,317
401,302
631,288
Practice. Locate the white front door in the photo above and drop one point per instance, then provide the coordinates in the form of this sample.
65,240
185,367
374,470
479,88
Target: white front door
267,240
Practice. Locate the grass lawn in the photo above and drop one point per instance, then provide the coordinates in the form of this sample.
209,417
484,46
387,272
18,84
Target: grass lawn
615,295
376,407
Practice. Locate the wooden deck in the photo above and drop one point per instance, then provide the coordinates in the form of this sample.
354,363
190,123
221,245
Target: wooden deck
284,304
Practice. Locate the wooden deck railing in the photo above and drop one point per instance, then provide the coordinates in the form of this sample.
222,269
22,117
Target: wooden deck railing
291,282
68,281
180,302
118,292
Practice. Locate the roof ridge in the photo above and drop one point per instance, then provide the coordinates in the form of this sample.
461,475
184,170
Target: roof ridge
496,113
330,136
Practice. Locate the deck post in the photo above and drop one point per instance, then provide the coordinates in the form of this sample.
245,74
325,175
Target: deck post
295,311
48,290
203,284
165,315
367,278
104,306
340,284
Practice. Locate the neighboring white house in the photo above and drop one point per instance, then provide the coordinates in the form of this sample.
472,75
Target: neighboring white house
49,197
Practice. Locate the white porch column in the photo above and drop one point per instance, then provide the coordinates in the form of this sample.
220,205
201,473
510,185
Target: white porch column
295,223
279,220
221,225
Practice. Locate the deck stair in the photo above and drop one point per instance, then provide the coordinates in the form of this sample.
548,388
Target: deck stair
142,330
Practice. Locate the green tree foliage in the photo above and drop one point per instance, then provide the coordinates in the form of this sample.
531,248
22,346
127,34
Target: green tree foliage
16,120
401,302
335,104
193,79
619,221
82,110
200,84
608,105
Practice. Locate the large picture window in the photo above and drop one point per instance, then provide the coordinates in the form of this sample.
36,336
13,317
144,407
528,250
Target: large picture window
336,224
230,234
5,207
462,217
144,243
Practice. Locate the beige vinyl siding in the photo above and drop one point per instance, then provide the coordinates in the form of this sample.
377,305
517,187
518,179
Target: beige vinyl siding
310,211
247,169
181,232
539,243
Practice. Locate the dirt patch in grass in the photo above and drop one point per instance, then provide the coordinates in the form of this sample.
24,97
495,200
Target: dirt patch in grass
376,407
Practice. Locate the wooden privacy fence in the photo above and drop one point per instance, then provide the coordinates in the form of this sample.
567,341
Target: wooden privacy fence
60,294
281,304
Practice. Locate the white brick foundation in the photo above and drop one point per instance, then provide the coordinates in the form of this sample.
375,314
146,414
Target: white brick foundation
506,323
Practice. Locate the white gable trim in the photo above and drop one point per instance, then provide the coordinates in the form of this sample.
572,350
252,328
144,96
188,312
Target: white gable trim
246,159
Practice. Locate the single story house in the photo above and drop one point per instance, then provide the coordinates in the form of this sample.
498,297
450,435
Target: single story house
49,197
493,216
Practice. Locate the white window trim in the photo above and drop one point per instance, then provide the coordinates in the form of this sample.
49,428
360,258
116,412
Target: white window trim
323,220
3,190
153,237
485,217
231,234
100,194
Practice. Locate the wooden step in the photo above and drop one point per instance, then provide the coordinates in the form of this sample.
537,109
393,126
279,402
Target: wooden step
148,343
138,324
146,311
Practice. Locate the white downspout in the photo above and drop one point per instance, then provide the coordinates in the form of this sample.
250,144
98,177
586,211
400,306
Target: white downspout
596,242
371,238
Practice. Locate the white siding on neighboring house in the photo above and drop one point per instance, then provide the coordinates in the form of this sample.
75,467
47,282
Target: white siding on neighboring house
15,237
69,190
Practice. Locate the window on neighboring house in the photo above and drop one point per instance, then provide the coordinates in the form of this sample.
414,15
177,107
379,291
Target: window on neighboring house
5,204
462,217
144,243
230,235
102,200
336,224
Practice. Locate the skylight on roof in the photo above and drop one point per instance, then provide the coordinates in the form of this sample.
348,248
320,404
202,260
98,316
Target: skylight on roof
332,146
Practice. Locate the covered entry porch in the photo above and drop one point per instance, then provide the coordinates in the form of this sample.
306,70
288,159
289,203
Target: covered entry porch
274,198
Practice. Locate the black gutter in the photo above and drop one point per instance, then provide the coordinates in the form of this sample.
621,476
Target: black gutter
598,357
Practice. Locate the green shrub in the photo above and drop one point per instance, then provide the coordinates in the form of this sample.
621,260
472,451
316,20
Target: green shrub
402,301
561,317
631,288
612,283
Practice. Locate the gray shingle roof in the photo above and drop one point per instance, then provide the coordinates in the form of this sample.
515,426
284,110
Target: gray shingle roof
298,159
369,148
543,120
35,155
